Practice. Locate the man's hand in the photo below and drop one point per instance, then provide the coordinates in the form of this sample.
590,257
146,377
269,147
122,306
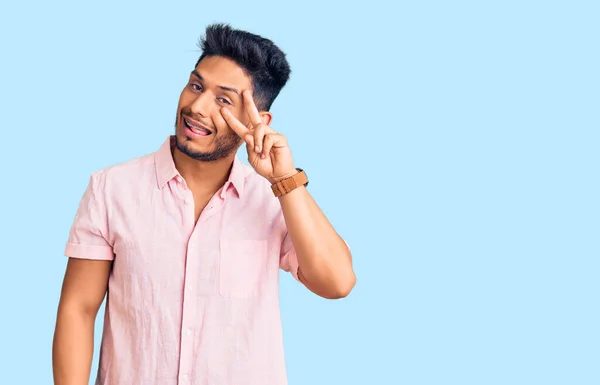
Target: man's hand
322,255
268,151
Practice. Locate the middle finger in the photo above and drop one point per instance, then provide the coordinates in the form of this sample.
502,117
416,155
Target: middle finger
253,113
259,133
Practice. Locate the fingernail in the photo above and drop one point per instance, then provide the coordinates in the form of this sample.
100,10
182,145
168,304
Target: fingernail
256,148
263,156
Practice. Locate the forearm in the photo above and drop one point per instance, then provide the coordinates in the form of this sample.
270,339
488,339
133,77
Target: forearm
73,347
324,258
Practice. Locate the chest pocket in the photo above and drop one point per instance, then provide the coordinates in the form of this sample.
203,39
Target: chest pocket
243,267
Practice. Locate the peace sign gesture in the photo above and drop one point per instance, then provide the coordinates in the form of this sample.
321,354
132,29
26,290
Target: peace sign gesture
268,151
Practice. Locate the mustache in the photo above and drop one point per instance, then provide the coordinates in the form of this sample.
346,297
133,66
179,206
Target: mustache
187,113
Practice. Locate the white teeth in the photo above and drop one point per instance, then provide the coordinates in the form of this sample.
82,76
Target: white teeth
197,129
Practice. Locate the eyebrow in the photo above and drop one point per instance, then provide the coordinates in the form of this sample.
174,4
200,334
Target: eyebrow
224,88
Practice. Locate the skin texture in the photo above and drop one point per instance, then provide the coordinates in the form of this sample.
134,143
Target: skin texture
83,291
233,119
199,102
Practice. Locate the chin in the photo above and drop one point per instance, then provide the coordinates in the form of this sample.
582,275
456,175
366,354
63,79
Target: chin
193,144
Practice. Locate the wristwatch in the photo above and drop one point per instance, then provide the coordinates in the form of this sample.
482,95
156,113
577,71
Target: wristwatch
288,184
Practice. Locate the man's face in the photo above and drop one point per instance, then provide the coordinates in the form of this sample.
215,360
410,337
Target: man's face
201,131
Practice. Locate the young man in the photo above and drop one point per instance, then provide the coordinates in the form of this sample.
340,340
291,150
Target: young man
188,241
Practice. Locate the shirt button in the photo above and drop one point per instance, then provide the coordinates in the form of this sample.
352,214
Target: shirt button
188,332
185,377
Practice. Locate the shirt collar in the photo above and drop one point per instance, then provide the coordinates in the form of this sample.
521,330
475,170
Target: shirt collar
166,170
237,177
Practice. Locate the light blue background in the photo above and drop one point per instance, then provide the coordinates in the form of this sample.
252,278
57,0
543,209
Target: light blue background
453,144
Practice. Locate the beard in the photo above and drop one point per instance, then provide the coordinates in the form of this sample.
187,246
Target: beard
225,145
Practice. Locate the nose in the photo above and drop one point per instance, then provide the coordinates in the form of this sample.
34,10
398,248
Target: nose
202,104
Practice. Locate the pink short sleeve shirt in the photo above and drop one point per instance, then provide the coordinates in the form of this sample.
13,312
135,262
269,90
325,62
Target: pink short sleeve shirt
186,304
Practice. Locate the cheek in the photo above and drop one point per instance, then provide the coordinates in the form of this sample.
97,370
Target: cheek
186,98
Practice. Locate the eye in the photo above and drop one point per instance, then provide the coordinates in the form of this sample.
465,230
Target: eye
196,87
223,100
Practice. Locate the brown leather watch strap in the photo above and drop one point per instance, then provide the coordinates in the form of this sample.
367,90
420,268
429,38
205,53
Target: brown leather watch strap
288,184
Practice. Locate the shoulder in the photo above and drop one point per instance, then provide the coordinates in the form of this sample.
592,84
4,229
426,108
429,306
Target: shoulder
134,172
259,195
257,187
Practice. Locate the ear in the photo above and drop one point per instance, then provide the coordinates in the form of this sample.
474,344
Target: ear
266,117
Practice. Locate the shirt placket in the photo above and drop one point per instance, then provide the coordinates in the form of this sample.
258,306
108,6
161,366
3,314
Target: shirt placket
191,311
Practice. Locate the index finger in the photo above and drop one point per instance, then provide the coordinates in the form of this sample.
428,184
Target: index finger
235,124
251,108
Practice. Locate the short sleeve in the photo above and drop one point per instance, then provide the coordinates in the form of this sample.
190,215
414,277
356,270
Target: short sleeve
288,260
88,234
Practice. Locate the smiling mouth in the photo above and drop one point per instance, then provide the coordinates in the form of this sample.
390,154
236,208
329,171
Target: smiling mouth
196,128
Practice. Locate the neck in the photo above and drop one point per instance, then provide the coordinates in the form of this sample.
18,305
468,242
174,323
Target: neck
206,177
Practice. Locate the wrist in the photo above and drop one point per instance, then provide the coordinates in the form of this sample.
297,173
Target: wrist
274,179
284,184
